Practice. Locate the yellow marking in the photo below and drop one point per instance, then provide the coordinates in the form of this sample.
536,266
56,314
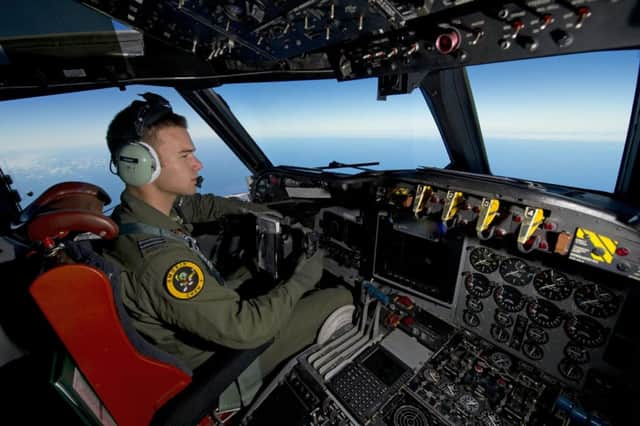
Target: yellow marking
488,211
451,205
604,243
533,218
422,194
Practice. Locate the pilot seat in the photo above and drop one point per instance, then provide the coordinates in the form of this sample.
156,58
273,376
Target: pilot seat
110,373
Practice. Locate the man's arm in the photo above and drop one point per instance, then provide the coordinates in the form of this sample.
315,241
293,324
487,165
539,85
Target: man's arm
187,297
200,208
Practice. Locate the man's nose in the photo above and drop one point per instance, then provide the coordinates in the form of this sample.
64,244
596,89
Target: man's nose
197,164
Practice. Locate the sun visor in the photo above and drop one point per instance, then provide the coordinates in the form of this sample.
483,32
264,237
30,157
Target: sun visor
53,28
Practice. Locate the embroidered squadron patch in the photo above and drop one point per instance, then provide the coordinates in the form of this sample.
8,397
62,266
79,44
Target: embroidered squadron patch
184,280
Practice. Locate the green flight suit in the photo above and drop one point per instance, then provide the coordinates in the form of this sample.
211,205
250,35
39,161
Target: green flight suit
180,306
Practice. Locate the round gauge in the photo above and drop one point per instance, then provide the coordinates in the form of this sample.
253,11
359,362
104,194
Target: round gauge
503,318
577,353
553,285
516,271
532,351
501,360
544,313
431,375
509,299
478,285
490,418
474,304
570,370
470,318
499,333
484,260
585,331
469,403
596,300
537,335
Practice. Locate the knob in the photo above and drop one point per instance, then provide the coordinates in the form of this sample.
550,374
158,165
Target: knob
448,42
529,43
545,21
561,38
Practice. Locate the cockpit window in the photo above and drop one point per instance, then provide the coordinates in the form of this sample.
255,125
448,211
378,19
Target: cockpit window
559,120
313,123
52,139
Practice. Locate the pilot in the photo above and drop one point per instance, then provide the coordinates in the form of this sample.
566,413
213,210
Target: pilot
176,297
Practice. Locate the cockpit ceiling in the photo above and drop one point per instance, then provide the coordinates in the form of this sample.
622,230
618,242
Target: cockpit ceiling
204,43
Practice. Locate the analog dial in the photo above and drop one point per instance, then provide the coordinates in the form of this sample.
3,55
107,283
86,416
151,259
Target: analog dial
544,313
570,370
431,375
532,351
503,318
596,300
553,285
585,331
501,360
484,260
469,403
577,353
499,333
478,285
516,271
474,304
537,335
509,299
470,318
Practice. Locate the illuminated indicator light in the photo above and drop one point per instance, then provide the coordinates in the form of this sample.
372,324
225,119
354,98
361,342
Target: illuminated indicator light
622,251
543,245
549,226
499,232
517,218
408,321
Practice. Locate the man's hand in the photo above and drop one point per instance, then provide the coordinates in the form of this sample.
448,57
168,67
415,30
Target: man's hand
309,270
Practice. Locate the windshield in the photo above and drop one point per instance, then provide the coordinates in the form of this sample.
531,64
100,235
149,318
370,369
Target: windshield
311,123
560,120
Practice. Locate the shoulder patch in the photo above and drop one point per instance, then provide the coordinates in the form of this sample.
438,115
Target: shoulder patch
184,280
149,244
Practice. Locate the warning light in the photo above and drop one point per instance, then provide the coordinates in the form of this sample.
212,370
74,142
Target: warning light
622,251
517,218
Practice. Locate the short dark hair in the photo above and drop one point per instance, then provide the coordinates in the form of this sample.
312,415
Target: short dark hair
123,128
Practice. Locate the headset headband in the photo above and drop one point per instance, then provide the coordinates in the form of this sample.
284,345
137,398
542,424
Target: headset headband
155,108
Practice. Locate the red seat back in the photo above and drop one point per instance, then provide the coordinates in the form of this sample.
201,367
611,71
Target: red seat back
77,301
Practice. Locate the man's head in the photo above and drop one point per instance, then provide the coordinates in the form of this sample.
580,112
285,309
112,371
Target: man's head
149,144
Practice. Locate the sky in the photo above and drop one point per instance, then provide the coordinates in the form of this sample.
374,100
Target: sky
548,108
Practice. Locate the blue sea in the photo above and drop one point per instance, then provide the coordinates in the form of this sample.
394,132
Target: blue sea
592,165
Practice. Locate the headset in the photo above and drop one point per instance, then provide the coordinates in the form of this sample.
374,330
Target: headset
136,162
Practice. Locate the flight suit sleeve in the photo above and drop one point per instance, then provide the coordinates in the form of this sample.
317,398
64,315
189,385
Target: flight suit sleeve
208,207
187,297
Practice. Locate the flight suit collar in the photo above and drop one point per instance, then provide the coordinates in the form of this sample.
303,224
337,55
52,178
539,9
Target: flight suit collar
140,211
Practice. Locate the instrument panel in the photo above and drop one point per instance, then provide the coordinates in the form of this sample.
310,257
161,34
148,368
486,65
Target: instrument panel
556,320
533,278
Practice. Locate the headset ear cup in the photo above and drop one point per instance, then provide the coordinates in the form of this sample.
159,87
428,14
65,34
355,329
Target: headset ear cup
155,164
137,164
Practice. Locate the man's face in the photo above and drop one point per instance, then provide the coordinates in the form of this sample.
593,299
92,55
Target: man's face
180,166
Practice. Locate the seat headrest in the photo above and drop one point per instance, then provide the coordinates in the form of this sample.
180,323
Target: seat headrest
66,195
57,224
